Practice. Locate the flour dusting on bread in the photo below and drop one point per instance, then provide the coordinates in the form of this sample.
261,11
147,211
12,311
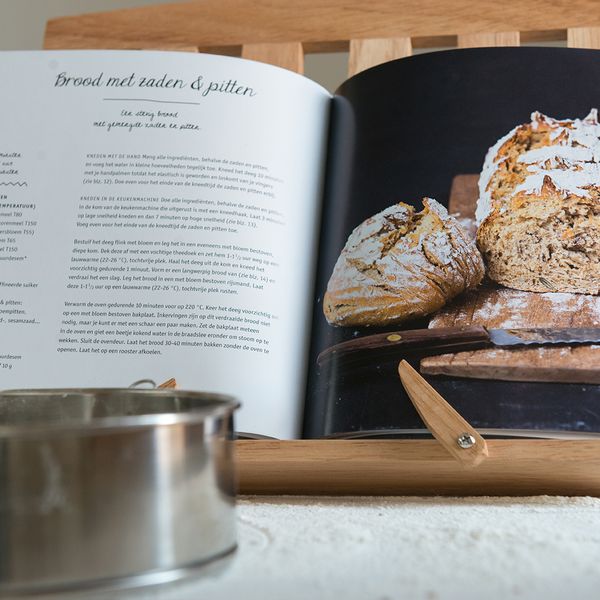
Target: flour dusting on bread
401,264
539,206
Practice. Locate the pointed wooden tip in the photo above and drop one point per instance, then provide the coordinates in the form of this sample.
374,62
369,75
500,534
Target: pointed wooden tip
170,384
404,368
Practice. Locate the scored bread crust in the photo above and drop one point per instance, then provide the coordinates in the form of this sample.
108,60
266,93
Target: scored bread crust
539,206
401,264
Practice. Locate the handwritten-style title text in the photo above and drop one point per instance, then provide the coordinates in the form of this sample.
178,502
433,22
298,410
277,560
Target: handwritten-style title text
163,81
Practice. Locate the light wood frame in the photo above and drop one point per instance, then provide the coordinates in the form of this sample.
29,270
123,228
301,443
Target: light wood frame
281,33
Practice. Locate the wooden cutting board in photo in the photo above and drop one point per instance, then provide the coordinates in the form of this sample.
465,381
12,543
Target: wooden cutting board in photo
497,307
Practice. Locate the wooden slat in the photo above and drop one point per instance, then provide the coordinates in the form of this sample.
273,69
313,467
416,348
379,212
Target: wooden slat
237,22
583,37
417,467
481,40
444,422
288,56
439,41
368,53
550,35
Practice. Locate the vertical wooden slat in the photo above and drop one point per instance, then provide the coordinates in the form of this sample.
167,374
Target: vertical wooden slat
583,37
481,40
371,52
288,55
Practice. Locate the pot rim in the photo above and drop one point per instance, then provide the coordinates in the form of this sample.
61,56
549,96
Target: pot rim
211,405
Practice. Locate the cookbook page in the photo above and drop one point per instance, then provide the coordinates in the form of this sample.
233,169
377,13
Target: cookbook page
421,127
158,219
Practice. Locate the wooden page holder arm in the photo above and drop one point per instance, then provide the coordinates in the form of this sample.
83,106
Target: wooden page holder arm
448,427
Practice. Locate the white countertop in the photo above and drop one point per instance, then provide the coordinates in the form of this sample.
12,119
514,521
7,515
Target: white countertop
414,548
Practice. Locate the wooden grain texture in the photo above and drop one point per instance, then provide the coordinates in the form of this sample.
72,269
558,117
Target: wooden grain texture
549,35
584,37
288,56
481,40
464,188
445,423
221,23
498,307
503,308
417,467
368,53
169,384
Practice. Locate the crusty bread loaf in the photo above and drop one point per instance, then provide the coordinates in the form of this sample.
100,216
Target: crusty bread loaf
539,206
400,264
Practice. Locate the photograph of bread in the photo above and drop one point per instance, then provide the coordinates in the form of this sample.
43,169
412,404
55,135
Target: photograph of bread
401,264
539,206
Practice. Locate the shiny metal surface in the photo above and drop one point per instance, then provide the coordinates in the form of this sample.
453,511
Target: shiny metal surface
112,488
543,336
466,441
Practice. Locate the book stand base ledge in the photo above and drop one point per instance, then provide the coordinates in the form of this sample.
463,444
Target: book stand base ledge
417,467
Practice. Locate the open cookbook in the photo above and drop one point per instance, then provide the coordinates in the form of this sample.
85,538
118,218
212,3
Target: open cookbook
229,224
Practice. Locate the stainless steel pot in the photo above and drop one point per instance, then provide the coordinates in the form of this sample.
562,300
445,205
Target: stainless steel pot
113,488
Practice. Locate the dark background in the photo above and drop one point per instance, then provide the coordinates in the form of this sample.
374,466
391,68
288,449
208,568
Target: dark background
401,131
